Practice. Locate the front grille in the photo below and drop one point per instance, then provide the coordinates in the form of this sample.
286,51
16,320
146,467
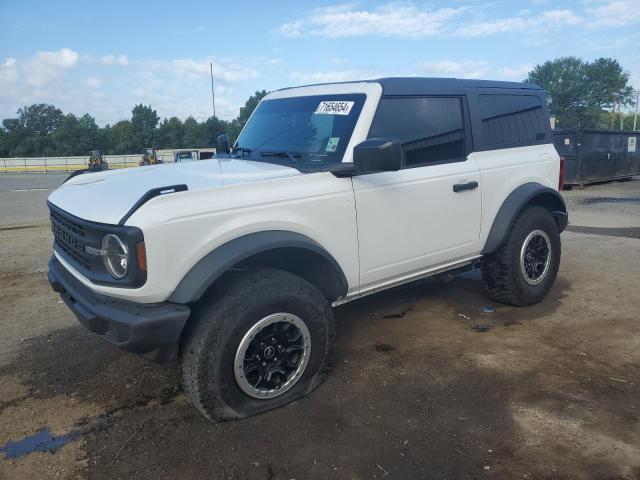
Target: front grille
70,238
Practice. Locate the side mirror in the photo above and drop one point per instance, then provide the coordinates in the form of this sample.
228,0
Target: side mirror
223,144
378,155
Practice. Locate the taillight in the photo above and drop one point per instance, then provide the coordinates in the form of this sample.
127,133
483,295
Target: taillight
561,177
141,256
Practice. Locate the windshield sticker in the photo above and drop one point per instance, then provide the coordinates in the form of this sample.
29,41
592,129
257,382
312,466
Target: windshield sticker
332,145
334,107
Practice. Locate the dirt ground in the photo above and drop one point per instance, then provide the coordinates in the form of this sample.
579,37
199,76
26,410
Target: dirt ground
425,385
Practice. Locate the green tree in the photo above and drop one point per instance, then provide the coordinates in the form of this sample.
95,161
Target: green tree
120,138
215,127
144,121
40,119
13,135
195,134
170,133
580,93
5,146
42,129
76,136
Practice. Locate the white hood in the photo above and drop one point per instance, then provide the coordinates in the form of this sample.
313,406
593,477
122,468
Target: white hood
106,197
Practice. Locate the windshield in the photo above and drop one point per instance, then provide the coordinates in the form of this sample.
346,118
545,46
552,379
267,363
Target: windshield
310,132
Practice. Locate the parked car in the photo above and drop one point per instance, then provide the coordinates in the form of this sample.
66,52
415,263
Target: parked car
331,193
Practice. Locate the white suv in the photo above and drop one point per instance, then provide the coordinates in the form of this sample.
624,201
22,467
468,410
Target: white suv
331,192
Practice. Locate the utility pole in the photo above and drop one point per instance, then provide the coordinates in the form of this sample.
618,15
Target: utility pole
213,95
635,115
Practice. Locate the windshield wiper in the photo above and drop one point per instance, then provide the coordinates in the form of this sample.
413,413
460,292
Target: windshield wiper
293,156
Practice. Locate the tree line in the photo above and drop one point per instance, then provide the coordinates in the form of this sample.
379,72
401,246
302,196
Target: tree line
44,130
587,94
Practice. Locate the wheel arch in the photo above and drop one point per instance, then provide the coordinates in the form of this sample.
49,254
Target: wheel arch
527,194
285,250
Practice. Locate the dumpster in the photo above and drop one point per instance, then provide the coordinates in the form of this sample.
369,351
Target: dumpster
592,155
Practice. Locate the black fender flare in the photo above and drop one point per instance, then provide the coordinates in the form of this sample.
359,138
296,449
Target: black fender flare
528,193
210,267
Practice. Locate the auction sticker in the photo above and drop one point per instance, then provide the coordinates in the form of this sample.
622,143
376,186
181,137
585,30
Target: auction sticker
334,107
631,145
332,144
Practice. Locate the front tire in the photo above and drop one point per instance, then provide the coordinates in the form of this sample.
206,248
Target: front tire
261,342
522,271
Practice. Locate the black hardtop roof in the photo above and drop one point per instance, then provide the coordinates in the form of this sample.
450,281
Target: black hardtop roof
434,86
420,85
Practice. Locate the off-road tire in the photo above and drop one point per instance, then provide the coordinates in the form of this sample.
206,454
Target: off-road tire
503,279
217,326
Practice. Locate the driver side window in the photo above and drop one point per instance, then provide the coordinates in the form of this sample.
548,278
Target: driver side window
430,128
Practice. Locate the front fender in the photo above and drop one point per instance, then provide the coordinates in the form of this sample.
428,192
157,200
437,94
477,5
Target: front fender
527,194
209,268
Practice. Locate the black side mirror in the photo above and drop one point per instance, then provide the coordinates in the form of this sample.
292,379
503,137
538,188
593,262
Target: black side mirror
378,155
223,144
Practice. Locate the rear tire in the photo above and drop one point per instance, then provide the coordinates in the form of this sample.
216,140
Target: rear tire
228,332
522,271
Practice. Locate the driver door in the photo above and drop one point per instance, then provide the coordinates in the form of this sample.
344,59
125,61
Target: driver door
427,214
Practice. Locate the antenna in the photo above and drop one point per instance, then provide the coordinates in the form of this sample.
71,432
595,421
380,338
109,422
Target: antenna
213,95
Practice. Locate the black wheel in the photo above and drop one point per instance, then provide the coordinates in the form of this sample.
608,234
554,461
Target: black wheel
522,271
262,341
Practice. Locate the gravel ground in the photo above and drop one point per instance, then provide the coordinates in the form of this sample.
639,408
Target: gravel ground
424,385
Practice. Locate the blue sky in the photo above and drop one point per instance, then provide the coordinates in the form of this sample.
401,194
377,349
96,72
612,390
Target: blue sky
104,57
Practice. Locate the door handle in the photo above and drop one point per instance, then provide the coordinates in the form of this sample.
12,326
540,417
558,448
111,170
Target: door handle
459,187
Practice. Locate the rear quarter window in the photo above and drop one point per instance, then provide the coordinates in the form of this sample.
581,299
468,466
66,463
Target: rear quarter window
512,120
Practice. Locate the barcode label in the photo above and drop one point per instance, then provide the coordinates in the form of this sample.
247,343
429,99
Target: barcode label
334,108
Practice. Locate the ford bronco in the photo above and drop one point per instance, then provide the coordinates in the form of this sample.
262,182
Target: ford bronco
330,193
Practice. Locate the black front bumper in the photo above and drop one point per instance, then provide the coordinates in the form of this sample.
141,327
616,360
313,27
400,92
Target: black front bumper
150,329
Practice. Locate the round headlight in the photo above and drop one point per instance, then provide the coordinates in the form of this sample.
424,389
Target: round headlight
115,255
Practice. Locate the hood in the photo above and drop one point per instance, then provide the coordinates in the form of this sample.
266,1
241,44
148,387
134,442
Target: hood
107,196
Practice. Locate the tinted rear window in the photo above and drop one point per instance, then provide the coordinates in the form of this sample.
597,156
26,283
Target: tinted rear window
512,120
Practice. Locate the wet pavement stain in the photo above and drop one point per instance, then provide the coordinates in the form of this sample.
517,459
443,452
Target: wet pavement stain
383,348
41,441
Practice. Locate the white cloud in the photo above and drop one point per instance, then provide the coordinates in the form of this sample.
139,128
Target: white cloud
93,82
515,73
546,20
45,67
332,76
112,59
407,20
225,71
84,83
8,73
291,29
449,68
564,17
615,13
388,20
478,29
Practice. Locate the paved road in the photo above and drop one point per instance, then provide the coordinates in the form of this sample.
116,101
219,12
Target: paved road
23,198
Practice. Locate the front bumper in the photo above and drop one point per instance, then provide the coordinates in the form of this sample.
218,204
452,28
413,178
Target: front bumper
149,329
